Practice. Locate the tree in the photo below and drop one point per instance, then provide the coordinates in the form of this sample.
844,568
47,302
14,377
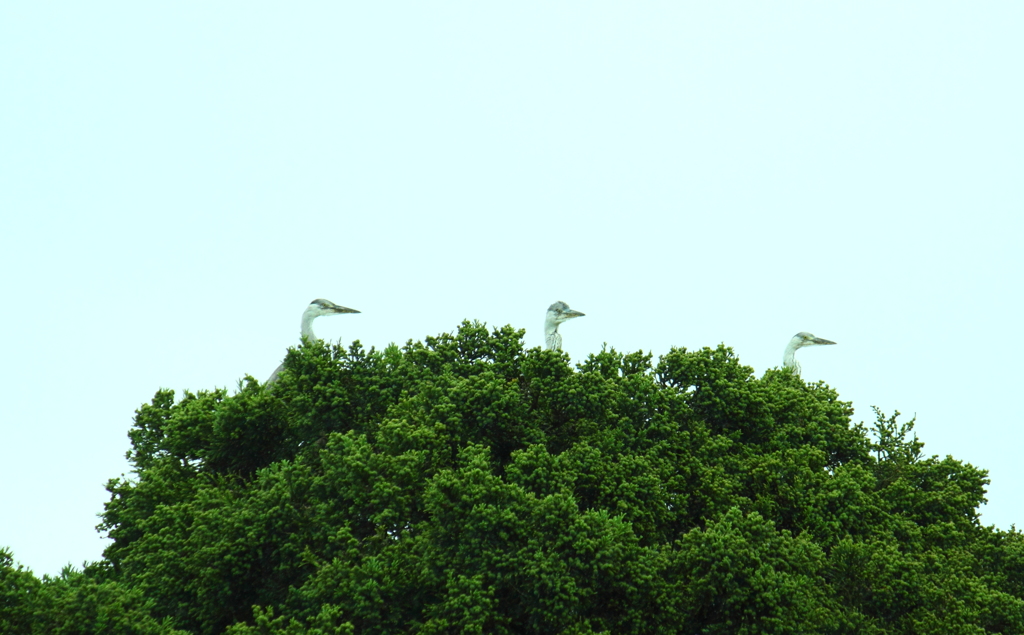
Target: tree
464,484
73,603
19,596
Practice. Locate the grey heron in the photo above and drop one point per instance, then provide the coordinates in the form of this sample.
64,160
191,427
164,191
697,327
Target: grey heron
801,339
315,309
557,313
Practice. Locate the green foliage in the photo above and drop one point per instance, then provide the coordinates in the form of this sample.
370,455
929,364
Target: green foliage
74,603
464,484
19,596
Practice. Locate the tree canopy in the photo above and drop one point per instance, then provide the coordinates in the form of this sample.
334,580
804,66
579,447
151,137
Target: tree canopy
464,484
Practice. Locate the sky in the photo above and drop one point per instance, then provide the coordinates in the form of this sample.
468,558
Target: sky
179,180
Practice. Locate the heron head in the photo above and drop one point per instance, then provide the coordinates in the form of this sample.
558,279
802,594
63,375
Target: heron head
325,307
560,312
807,339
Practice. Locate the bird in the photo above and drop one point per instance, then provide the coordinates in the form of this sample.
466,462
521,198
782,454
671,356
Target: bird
315,309
557,313
801,339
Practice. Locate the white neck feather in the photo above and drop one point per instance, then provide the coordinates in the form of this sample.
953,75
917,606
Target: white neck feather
551,336
307,326
789,356
553,339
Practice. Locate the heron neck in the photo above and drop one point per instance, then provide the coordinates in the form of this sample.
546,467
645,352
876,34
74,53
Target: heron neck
789,356
307,327
551,336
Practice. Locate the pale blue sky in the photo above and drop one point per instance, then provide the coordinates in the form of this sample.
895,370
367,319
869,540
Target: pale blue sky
177,182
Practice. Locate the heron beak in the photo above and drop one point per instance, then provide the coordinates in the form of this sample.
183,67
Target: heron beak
819,340
343,309
571,314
